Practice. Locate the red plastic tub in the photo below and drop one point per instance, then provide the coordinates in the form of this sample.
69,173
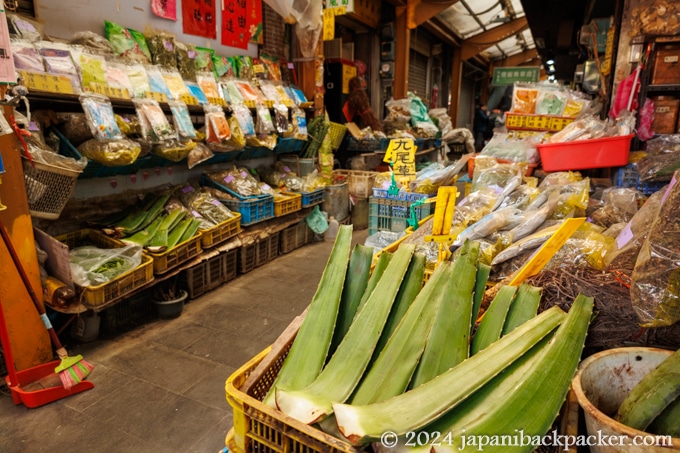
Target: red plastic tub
585,154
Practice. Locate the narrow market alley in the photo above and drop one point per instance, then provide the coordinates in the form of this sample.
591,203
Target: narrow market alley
160,386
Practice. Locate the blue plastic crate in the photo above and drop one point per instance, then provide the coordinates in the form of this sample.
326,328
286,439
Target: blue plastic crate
252,209
403,196
629,177
289,145
312,198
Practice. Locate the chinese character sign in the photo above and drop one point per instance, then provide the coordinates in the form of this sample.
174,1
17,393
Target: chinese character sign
198,18
167,9
241,20
510,75
402,154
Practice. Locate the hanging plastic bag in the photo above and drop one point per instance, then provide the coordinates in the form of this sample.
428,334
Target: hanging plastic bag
112,153
317,221
124,44
186,56
216,125
245,120
93,266
182,120
57,59
100,117
155,125
264,125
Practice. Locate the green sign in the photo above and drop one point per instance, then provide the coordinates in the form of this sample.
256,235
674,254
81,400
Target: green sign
508,76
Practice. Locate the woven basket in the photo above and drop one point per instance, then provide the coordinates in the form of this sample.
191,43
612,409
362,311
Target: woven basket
337,132
48,188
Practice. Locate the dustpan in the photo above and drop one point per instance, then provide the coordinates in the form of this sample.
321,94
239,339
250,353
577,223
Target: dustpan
38,385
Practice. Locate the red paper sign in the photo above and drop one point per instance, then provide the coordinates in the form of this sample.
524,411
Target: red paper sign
167,9
198,18
241,20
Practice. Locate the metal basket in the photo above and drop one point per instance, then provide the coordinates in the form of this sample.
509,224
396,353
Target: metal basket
48,188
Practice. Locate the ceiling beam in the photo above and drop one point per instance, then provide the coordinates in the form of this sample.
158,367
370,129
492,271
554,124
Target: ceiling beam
517,59
441,31
533,62
420,11
484,40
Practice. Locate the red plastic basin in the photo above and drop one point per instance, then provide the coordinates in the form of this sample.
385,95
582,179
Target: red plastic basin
585,154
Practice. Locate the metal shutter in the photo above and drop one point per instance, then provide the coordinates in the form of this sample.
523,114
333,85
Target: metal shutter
465,103
417,74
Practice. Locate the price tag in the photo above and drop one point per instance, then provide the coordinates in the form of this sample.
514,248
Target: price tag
111,92
46,82
189,100
269,103
402,154
625,236
250,103
217,101
156,96
258,68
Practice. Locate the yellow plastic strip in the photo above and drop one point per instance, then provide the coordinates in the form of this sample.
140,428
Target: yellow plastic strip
544,253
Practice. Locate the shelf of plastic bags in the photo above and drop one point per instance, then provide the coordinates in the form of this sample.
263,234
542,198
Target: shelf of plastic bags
585,154
252,209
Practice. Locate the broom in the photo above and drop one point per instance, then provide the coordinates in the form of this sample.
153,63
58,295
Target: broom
71,370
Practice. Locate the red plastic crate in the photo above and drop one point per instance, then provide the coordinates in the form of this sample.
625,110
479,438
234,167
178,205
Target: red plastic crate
585,154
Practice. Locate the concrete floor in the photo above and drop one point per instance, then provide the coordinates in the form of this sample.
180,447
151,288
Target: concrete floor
160,387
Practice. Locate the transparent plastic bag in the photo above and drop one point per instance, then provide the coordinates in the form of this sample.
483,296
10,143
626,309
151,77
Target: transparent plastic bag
40,153
93,42
138,79
27,57
264,124
655,287
57,59
198,155
124,44
155,125
588,246
236,140
237,179
91,67
283,127
111,153
162,49
176,86
317,221
217,126
182,120
299,123
94,266
551,101
524,98
205,204
117,77
185,55
619,205
504,146
208,84
100,117
26,27
173,150
233,93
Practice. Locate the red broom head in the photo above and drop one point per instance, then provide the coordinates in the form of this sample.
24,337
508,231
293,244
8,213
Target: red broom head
75,374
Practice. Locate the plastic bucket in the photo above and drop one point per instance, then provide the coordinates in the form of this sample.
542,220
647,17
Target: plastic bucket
360,214
602,383
336,201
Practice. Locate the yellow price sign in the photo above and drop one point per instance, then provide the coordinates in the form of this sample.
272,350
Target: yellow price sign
401,152
544,253
46,82
258,68
347,73
156,96
111,92
339,11
217,101
328,24
189,99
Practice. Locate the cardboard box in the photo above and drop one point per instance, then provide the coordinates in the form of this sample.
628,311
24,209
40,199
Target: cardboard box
666,70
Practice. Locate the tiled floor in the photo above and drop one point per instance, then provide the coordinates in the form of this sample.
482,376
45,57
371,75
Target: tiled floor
160,387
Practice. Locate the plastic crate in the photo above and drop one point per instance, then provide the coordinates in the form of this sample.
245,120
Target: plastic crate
229,265
585,154
288,238
252,209
97,297
221,232
289,145
272,246
312,198
393,215
195,280
287,202
629,177
126,314
337,133
247,255
402,195
261,428
360,182
298,165
174,256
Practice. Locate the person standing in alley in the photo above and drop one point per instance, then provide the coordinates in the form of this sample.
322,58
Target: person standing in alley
480,126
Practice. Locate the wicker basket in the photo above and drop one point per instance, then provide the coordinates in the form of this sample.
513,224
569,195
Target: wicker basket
48,188
337,133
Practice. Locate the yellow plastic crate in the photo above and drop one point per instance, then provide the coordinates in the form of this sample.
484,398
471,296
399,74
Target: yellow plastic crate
221,232
261,428
287,202
173,257
98,297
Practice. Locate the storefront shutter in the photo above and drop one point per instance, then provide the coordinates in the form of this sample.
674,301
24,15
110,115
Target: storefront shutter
417,74
465,103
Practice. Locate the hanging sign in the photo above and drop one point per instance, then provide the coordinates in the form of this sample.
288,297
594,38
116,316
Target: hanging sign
198,18
255,21
510,75
166,9
401,153
235,32
328,25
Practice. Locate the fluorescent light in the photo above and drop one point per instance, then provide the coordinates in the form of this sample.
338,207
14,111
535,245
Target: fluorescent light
551,61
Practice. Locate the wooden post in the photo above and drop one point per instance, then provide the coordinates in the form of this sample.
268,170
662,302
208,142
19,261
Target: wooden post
403,48
456,77
28,337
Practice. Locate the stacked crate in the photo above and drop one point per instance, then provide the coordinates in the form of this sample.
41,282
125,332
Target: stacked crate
360,189
391,212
